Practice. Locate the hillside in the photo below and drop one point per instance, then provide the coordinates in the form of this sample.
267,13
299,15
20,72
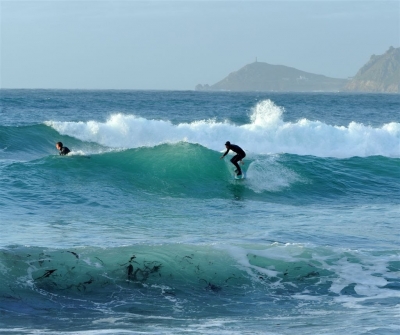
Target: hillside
381,74
260,76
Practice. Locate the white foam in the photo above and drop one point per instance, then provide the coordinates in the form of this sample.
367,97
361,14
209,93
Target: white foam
265,174
266,133
362,275
367,273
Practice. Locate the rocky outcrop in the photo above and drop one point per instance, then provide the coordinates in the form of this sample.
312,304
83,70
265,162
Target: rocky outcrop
381,74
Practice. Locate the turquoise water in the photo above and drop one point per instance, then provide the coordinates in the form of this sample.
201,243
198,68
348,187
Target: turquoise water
143,229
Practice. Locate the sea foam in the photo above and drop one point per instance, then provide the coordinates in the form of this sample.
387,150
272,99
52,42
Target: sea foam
266,133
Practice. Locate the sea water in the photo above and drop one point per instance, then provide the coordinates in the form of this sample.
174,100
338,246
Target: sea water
143,229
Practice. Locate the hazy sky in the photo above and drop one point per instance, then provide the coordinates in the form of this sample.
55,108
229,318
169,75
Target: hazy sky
179,44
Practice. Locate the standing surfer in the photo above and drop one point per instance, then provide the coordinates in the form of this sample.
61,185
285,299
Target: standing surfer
240,154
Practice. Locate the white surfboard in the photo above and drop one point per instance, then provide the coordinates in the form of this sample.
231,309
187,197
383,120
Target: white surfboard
241,177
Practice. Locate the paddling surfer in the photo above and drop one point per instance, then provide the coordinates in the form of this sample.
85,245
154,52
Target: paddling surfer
63,150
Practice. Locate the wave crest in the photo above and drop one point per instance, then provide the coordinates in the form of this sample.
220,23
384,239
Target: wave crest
267,133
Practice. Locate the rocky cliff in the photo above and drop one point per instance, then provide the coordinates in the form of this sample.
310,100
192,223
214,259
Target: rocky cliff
381,74
260,76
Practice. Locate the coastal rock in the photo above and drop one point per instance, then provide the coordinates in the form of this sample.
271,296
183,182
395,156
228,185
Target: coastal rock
381,74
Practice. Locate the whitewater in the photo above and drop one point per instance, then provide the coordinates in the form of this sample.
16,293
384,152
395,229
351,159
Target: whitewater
143,229
266,133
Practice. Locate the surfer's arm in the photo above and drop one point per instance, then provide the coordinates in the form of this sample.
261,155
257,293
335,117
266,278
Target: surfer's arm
226,152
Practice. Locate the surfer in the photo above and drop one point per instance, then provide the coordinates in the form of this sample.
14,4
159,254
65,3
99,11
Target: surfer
63,150
240,154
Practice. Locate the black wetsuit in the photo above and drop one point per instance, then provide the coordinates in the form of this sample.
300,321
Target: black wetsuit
64,151
240,154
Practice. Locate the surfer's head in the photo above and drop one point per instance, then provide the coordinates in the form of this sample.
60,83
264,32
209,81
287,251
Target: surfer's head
228,144
59,145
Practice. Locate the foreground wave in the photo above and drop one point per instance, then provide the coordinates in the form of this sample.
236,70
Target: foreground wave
157,278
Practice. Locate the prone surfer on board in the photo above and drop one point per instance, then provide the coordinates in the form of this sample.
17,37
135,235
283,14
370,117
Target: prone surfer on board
63,150
240,154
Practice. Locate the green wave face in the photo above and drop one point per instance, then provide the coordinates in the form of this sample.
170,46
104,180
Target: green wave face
198,280
193,171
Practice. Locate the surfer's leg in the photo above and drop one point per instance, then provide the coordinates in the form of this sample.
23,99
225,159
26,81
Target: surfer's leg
234,161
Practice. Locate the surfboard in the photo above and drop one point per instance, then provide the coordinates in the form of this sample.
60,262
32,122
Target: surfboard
241,177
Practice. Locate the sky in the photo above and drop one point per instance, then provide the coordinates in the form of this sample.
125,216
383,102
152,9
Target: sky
175,45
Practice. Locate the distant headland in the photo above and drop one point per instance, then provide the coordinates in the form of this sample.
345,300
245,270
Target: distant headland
380,75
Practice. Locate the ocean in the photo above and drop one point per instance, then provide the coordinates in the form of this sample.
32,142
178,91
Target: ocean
142,228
